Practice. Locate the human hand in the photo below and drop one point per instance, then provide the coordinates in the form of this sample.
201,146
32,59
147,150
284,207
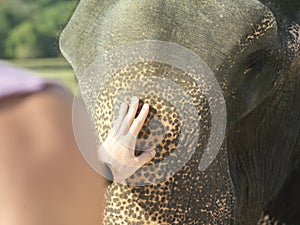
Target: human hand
117,151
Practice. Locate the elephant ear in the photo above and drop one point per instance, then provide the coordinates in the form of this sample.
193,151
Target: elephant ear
285,11
189,181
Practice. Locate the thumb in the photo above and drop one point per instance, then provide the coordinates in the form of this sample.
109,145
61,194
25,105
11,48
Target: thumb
146,157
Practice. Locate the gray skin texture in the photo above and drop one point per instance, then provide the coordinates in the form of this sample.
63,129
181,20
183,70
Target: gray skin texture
255,56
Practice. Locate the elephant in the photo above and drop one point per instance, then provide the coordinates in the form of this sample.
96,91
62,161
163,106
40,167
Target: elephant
252,48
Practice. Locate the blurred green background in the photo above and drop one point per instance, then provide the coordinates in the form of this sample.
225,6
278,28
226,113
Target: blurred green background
29,33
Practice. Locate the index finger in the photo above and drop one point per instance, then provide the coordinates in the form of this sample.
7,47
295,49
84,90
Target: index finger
139,121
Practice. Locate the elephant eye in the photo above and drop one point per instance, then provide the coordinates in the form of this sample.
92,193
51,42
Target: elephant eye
256,62
254,67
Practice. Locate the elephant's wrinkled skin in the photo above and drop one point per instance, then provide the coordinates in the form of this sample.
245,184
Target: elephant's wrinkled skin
254,53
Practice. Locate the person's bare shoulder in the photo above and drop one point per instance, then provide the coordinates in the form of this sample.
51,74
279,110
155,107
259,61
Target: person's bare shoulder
32,121
42,172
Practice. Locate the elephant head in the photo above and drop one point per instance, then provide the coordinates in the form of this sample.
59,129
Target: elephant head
251,58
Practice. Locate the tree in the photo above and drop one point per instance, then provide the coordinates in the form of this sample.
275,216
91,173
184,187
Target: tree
12,12
30,28
22,42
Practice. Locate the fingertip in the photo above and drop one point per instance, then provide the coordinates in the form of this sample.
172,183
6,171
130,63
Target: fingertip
123,106
146,157
153,153
145,109
134,100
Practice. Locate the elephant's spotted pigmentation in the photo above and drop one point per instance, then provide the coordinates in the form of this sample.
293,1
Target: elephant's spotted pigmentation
168,201
252,50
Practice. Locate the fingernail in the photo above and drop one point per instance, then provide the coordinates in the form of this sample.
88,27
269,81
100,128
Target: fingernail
153,153
123,105
146,105
134,100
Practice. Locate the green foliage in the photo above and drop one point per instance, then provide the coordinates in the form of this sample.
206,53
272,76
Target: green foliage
21,42
30,28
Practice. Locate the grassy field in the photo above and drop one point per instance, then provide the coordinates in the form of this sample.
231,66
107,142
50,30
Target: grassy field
53,68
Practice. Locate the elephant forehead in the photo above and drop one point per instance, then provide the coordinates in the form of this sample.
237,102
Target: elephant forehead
170,107
188,195
212,29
